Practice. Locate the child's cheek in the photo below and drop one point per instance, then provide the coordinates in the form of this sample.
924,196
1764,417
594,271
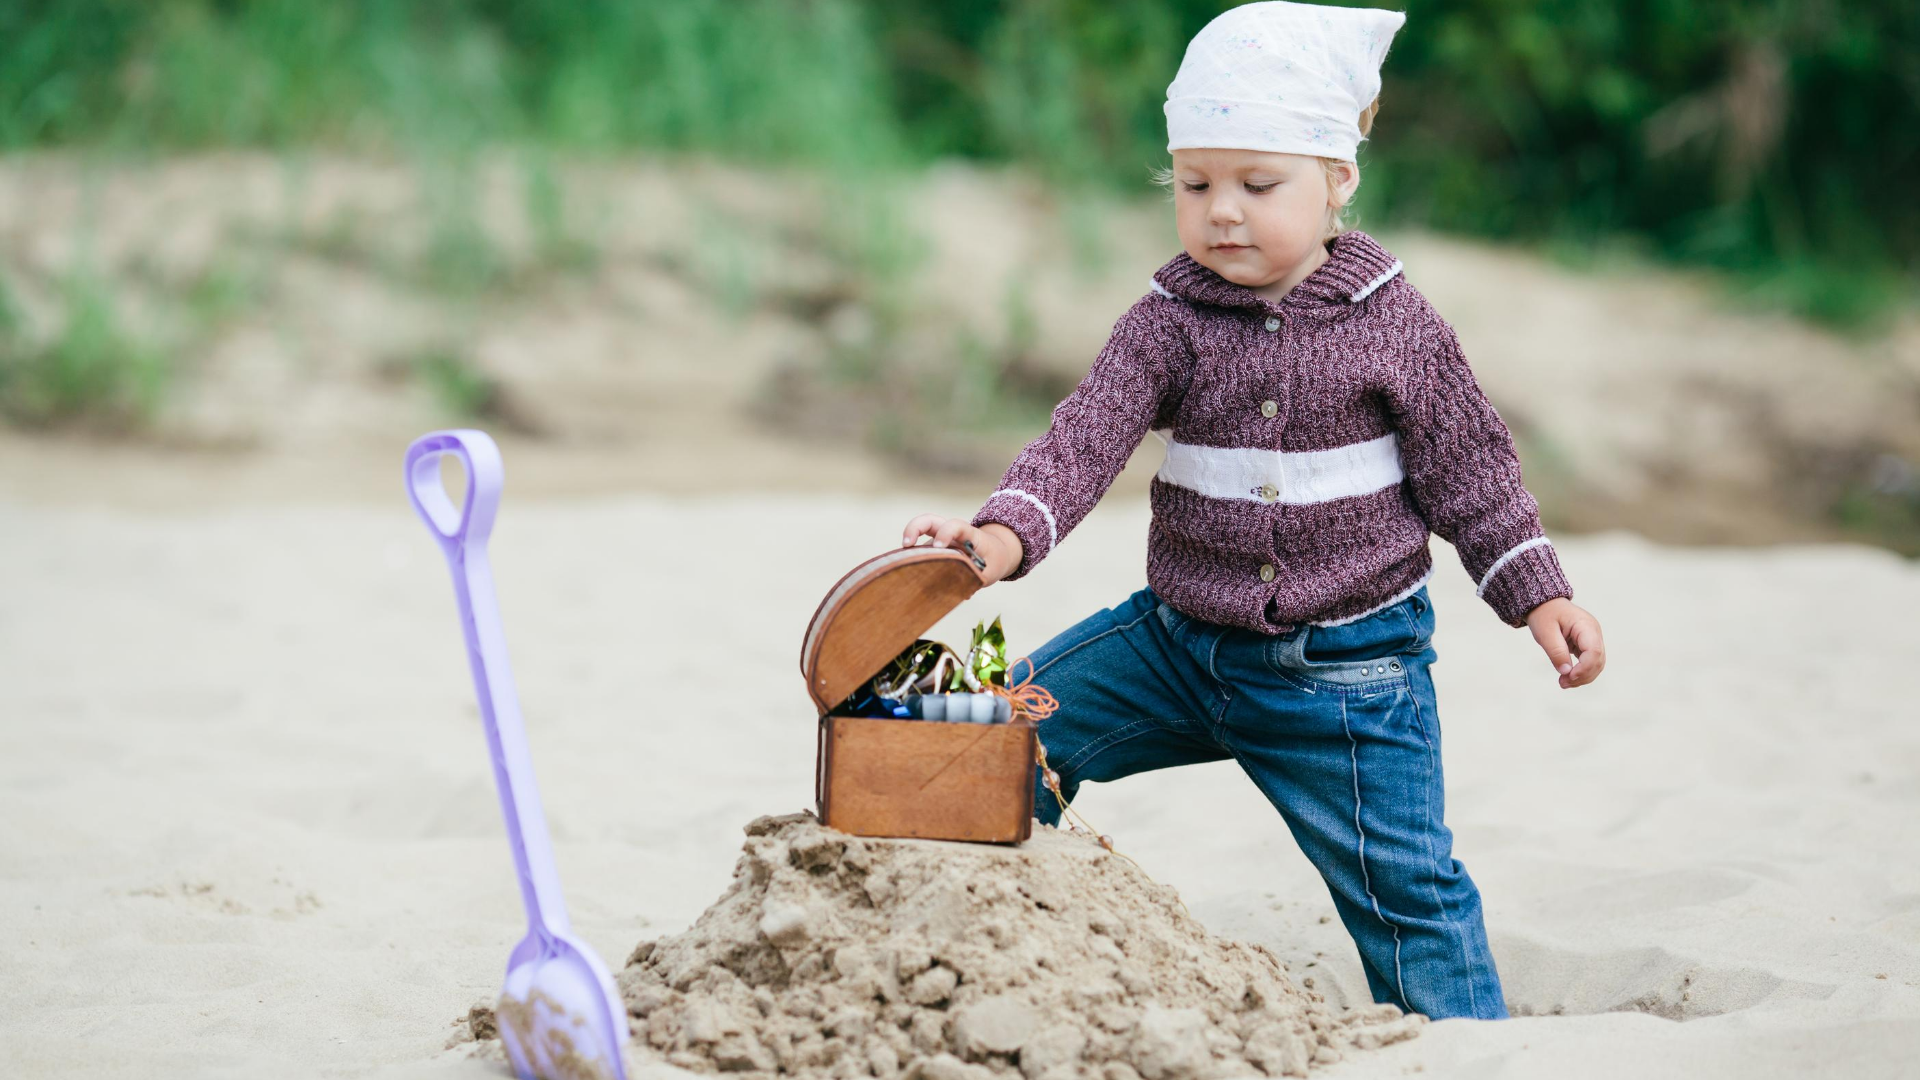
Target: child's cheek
1286,230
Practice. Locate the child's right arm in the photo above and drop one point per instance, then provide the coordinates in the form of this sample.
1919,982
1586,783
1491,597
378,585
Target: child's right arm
1060,476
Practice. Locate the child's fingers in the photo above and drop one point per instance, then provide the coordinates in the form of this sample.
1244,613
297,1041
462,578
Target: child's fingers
918,527
1554,643
1592,649
951,531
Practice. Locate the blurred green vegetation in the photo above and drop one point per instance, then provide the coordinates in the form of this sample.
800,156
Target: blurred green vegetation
93,371
462,391
1777,140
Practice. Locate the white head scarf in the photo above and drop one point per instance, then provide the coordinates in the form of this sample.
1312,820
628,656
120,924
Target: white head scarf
1289,78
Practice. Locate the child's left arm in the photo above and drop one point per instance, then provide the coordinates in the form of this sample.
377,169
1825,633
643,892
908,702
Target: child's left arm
1465,477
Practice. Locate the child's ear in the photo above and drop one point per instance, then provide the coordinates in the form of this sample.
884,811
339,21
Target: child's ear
1348,183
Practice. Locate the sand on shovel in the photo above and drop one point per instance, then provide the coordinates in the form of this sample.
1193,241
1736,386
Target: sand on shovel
836,956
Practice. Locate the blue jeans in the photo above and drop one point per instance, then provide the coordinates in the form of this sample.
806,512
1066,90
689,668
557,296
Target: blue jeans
1336,725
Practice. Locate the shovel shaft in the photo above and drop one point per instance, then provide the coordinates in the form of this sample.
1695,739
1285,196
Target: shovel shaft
462,533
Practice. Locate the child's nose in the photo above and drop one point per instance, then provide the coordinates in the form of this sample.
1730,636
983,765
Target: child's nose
1224,212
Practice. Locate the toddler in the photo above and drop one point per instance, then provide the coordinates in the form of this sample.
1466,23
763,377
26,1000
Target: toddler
1320,421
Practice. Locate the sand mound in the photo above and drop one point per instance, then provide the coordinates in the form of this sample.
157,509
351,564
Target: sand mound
832,955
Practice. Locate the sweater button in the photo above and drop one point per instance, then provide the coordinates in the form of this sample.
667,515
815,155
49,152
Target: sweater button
1273,324
1266,571
1268,493
1269,409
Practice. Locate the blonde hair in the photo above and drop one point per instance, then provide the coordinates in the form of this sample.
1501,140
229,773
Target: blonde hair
1336,215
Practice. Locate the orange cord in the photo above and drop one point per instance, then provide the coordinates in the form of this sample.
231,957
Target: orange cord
1036,703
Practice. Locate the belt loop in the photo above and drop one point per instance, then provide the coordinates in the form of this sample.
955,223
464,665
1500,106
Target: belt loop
1293,645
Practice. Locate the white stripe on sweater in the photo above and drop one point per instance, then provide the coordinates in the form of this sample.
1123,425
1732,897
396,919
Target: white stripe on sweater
1053,531
1386,276
1360,294
1503,560
1312,476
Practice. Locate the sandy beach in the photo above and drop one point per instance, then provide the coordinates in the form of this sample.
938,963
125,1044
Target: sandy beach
739,288
252,830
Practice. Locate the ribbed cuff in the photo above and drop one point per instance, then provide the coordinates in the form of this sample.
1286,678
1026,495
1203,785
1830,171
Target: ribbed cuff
1524,582
1022,513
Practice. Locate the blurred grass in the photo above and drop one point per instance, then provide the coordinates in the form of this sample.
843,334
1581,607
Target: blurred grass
558,242
93,370
955,411
793,81
1881,515
1779,141
461,257
459,388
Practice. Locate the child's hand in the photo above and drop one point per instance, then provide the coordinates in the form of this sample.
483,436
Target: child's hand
1559,624
994,542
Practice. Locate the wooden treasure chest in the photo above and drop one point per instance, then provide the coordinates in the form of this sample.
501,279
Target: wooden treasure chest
932,779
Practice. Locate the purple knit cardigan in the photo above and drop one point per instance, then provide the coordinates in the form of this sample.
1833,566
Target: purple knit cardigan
1311,445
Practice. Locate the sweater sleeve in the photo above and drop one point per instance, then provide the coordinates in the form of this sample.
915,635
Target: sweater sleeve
1060,476
1465,477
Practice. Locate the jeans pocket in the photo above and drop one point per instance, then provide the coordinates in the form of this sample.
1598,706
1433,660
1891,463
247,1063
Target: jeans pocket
1371,675
1368,656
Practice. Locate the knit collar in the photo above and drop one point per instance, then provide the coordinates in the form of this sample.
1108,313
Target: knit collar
1356,266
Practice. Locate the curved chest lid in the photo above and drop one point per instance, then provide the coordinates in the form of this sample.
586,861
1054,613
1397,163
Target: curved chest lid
882,606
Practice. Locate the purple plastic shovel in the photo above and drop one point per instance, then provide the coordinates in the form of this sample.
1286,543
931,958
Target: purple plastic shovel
560,1017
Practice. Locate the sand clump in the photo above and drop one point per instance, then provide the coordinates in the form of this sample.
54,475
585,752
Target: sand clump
832,955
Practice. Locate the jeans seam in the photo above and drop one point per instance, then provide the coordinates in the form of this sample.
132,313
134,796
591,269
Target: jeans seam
1224,740
1366,879
1413,630
1266,654
1288,675
1083,644
1216,725
1366,689
1111,738
1220,715
1220,686
1466,955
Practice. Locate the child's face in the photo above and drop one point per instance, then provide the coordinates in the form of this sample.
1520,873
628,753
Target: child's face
1252,216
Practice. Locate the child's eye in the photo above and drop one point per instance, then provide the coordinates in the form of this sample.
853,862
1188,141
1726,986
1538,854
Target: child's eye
1262,189
1196,187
